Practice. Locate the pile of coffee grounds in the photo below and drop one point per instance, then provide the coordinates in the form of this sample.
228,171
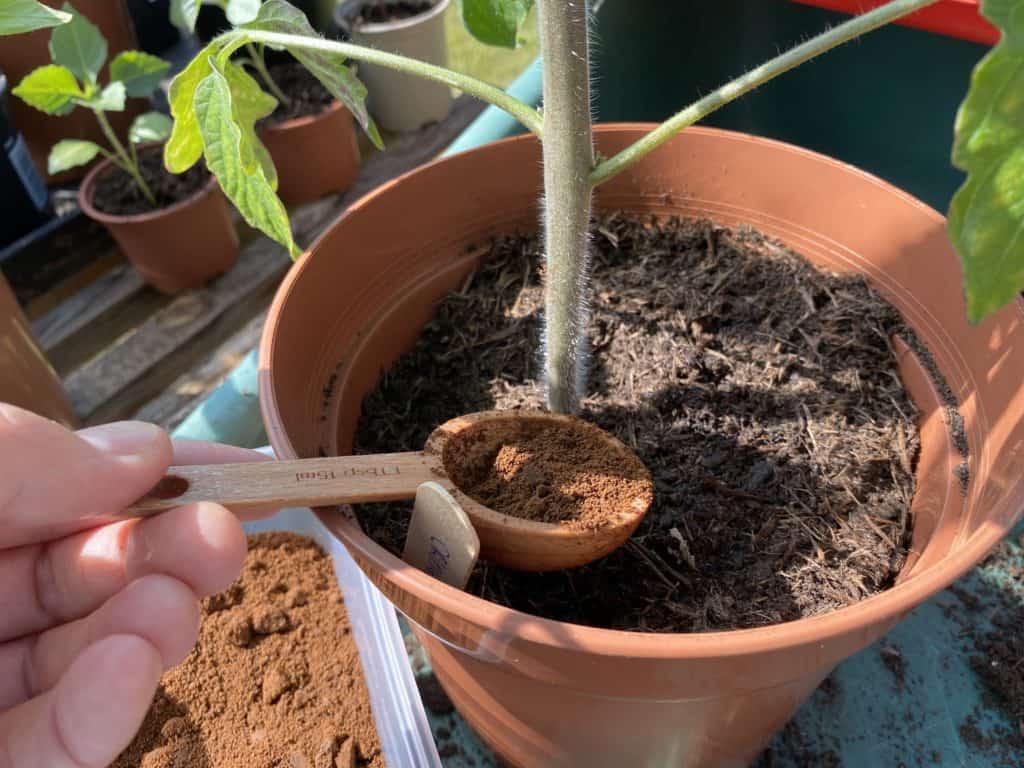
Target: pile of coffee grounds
761,393
383,11
117,193
275,680
306,95
564,473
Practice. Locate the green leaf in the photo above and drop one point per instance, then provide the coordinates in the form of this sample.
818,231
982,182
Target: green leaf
242,11
185,146
71,153
249,104
495,22
79,46
329,68
152,126
51,89
18,16
140,72
248,189
184,14
110,99
986,216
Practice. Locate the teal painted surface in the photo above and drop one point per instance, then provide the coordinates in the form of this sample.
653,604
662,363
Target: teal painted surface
231,413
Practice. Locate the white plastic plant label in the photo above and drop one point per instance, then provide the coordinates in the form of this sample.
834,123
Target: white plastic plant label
441,540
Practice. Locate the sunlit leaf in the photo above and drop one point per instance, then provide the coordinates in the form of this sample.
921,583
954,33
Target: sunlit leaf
140,72
110,99
71,153
152,126
79,45
19,16
250,104
185,146
241,11
329,68
51,89
986,216
249,190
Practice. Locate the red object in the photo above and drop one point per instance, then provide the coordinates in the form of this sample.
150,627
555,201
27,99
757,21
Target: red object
957,18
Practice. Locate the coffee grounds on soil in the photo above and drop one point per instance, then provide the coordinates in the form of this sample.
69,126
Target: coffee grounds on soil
117,193
306,94
383,11
564,474
761,393
275,680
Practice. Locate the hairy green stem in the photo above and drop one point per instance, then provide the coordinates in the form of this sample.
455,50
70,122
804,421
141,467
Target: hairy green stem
126,161
568,159
521,111
816,46
260,65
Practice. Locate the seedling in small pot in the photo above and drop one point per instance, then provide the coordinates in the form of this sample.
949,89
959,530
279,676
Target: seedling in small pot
212,99
79,51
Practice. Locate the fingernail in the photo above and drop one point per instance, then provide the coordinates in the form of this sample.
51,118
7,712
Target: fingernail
124,439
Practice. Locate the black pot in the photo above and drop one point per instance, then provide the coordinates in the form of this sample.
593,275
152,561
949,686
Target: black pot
26,200
152,22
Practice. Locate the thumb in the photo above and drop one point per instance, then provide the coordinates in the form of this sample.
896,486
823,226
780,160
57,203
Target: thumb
91,715
55,481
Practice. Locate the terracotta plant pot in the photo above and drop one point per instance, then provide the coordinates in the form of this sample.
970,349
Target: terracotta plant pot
314,155
20,54
545,693
400,102
174,248
26,378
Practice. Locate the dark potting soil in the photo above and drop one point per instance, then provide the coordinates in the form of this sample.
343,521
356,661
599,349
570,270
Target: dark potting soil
761,393
565,473
383,11
117,193
306,94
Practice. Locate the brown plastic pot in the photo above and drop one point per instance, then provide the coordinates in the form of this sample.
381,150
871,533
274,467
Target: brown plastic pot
27,379
20,54
175,248
314,155
545,693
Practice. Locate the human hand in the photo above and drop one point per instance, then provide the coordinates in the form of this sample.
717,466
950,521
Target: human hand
91,611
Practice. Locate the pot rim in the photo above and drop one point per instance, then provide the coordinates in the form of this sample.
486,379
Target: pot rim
88,186
857,618
380,28
301,122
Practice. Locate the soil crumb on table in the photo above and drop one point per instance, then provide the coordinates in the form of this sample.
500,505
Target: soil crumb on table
762,394
564,473
275,681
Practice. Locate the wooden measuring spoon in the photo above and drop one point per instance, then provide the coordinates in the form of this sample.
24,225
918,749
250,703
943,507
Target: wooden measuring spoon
504,540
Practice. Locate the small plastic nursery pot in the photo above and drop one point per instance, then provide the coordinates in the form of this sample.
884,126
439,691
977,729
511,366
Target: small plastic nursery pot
545,693
26,378
314,155
20,54
400,102
175,248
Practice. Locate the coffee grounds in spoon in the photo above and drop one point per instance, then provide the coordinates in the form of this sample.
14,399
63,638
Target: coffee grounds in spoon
564,473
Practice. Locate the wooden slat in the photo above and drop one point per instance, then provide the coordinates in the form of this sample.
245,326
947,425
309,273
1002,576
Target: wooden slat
148,359
175,404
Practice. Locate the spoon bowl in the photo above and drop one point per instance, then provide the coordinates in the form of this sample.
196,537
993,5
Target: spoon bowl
458,448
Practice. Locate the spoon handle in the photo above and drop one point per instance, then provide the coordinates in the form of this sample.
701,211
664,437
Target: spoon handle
298,483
